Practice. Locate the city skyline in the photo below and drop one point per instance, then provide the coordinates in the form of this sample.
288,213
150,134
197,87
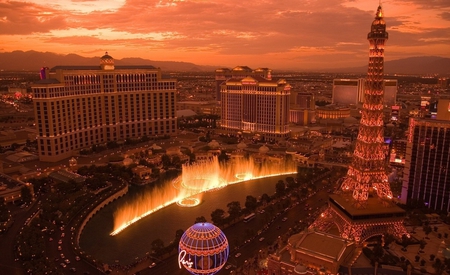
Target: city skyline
297,35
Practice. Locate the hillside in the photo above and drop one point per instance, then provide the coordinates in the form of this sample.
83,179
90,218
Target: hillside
32,61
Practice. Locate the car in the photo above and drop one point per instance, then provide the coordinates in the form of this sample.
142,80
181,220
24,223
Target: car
261,239
238,255
284,219
59,248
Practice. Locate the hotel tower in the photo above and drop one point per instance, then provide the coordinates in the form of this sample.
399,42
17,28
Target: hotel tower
255,104
78,106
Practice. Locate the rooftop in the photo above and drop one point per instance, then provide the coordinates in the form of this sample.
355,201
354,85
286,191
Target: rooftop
320,244
373,206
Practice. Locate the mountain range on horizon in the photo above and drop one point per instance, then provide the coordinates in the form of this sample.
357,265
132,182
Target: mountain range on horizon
33,60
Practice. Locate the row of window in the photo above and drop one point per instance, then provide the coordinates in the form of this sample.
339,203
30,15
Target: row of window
85,138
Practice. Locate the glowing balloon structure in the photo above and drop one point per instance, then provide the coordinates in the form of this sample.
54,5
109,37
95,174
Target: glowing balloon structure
203,249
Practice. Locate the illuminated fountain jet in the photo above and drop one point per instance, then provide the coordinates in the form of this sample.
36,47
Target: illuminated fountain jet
194,180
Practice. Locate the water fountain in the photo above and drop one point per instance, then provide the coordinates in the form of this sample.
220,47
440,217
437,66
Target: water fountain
195,179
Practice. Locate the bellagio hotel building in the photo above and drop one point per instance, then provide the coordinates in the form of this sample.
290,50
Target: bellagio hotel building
78,106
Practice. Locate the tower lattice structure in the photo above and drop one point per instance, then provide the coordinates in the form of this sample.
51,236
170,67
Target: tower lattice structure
368,165
362,217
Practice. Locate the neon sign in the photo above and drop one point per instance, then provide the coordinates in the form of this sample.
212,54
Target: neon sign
182,261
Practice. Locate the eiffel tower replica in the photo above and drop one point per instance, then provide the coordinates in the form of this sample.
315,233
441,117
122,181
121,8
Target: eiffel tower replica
363,206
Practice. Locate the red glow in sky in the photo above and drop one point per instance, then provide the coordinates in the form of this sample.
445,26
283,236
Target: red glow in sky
287,34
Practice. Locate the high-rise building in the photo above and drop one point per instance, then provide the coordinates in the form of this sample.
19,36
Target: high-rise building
238,72
302,108
427,170
257,105
390,92
443,109
78,106
347,91
357,214
351,91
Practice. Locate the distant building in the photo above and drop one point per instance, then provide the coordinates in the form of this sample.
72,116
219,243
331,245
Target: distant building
10,189
78,106
390,92
347,91
443,109
238,72
332,112
200,107
66,176
427,170
256,105
351,91
443,82
398,152
302,108
142,172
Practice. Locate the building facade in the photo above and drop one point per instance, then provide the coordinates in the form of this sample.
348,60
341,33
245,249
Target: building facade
238,72
351,91
256,105
427,170
311,252
200,107
302,108
443,109
78,106
347,91
332,112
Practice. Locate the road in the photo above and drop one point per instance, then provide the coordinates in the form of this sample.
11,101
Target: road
252,248
8,264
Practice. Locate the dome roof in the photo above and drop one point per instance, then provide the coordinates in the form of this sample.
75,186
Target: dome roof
300,269
106,56
107,62
263,149
214,144
241,145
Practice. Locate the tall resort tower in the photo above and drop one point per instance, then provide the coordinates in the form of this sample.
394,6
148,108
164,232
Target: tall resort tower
363,208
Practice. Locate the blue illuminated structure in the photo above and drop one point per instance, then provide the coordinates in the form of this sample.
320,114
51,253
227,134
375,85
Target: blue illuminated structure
203,249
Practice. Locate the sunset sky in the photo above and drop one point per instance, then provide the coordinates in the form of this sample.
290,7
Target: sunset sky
279,34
